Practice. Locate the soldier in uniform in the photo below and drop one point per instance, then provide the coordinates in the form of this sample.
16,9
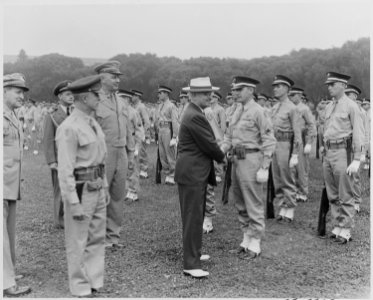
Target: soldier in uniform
308,132
144,117
84,188
52,121
14,87
112,116
167,128
250,136
285,122
137,131
342,148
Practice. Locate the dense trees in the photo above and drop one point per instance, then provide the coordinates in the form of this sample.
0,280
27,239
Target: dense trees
307,67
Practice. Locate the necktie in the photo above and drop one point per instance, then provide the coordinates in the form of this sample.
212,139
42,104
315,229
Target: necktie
68,110
93,125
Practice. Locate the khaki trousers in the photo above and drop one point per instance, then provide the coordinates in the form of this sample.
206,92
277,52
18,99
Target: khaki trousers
57,200
85,243
210,210
133,181
9,236
167,154
143,157
300,172
116,174
339,187
248,194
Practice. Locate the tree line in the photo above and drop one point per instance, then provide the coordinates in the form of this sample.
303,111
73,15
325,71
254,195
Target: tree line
307,67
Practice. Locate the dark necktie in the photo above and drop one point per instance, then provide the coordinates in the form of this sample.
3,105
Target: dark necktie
68,110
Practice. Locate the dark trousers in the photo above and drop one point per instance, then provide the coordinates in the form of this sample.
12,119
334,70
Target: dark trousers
57,201
192,204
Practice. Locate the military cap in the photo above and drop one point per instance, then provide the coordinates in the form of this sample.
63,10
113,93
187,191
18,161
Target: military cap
60,87
111,67
86,84
281,79
201,84
352,89
242,81
336,77
217,95
296,90
262,96
15,80
183,94
366,101
125,93
137,93
163,88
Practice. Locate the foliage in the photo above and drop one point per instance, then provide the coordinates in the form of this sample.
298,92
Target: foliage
307,67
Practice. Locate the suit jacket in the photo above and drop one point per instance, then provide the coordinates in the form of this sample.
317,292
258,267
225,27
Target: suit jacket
52,121
197,149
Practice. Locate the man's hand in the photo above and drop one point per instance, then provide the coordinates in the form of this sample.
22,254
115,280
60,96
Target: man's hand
293,160
321,150
307,149
353,167
53,166
77,212
136,152
107,196
24,126
262,175
173,142
33,128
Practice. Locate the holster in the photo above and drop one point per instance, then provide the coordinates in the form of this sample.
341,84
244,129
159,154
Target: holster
79,190
240,152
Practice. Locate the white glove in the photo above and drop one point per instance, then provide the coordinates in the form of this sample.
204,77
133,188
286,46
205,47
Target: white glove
33,128
77,211
262,175
353,167
362,157
136,152
53,166
321,150
173,142
307,149
25,126
293,160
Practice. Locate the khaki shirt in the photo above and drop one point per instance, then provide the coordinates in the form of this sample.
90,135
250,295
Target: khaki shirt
143,113
210,116
112,115
136,128
306,122
81,143
284,118
220,116
252,129
167,112
12,155
342,119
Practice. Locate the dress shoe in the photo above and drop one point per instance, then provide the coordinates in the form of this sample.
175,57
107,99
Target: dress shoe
287,220
324,237
279,218
117,245
239,250
341,241
250,255
16,291
205,257
196,273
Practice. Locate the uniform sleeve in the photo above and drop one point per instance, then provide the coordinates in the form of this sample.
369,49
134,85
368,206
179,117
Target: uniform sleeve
49,144
358,132
145,118
223,119
294,120
139,132
67,143
175,123
310,126
267,138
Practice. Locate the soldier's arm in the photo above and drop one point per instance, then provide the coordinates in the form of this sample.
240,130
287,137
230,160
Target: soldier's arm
49,140
223,120
294,119
67,143
145,118
267,137
358,132
175,123
310,126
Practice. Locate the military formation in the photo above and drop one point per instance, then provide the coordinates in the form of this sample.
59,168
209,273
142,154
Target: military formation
96,144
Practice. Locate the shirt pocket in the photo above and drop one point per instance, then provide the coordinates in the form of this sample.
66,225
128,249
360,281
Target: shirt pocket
247,124
342,115
102,113
86,138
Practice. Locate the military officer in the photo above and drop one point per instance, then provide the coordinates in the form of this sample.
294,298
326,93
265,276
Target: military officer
14,88
308,133
144,117
137,131
250,136
343,144
285,122
51,123
113,118
352,91
167,128
84,188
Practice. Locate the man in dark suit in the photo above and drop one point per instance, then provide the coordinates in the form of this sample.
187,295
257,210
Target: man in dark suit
194,170
52,121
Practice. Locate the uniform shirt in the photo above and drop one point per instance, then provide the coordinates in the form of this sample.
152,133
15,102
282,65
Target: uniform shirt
219,116
167,112
252,129
210,116
229,112
320,114
81,144
342,119
31,114
306,122
284,118
144,116
21,112
12,154
136,128
112,116
181,111
366,126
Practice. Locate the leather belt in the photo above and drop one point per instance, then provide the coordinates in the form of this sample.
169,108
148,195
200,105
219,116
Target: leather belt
90,173
247,150
284,136
337,144
164,124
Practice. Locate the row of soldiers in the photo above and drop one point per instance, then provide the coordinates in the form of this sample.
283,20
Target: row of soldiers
94,156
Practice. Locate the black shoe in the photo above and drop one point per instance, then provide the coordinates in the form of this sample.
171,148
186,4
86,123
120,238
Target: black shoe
16,291
331,236
239,250
341,241
250,255
280,218
287,220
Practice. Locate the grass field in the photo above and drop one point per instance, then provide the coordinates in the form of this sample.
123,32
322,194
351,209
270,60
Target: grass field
294,262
